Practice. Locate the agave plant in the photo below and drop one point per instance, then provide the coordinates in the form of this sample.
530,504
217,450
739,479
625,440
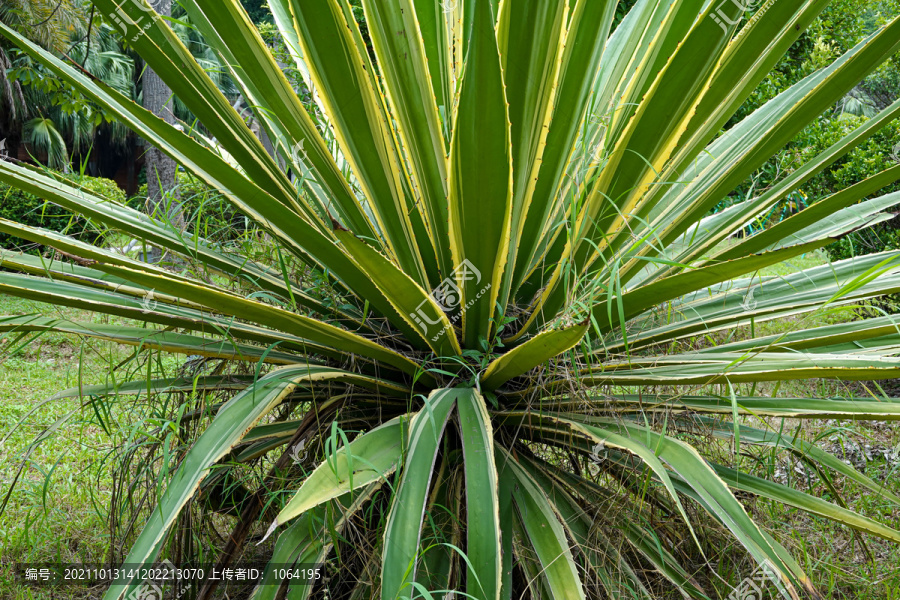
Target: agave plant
498,297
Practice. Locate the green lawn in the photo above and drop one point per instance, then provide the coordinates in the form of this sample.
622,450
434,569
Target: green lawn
56,511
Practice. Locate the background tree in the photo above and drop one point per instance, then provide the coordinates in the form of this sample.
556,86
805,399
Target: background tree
258,11
50,24
162,195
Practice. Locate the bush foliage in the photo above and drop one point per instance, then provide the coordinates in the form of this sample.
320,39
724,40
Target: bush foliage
16,205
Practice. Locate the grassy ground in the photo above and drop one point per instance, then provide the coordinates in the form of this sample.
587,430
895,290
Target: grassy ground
59,509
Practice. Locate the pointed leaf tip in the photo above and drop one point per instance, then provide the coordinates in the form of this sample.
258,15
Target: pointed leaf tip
269,531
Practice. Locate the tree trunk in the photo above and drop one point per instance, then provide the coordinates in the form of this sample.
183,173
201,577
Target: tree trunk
162,197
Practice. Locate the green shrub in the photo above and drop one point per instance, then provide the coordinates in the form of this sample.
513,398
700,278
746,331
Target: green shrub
23,207
875,155
871,157
205,210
